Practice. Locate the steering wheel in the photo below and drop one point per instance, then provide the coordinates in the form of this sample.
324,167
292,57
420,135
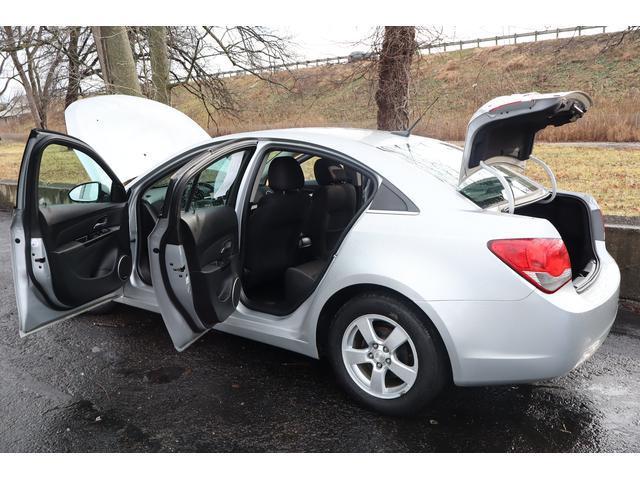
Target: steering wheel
206,186
202,190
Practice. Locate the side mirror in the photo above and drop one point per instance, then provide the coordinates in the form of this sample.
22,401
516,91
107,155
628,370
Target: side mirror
85,192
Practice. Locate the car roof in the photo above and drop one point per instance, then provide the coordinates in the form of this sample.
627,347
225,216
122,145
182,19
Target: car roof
373,138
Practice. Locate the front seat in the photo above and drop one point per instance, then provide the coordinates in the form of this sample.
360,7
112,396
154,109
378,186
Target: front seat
332,208
274,227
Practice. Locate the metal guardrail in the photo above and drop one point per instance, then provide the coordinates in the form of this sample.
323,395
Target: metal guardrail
535,35
427,48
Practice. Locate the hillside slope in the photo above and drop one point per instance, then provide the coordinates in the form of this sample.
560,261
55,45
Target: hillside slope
342,95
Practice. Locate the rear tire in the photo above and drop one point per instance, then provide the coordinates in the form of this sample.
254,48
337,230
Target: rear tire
400,342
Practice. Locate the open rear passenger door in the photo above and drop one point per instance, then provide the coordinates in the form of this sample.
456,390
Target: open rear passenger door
69,233
194,247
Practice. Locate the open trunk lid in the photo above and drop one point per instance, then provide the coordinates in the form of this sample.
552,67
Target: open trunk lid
132,134
506,126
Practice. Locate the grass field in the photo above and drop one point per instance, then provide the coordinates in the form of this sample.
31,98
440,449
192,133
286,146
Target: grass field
611,175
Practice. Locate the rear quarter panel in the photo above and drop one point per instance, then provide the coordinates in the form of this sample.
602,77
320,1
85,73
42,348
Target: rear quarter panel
436,255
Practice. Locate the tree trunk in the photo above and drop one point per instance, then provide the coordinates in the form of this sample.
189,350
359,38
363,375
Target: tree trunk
394,71
33,104
73,80
102,59
119,69
159,64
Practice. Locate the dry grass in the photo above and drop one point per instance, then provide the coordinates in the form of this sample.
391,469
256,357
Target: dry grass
10,158
611,175
61,166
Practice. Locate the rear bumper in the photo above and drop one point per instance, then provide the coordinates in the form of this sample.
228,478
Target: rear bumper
539,337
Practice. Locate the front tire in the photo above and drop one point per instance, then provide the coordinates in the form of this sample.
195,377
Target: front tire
386,355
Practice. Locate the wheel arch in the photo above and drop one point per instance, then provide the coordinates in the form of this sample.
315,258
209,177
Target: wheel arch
339,298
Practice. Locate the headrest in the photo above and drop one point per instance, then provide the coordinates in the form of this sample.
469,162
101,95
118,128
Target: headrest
328,172
285,174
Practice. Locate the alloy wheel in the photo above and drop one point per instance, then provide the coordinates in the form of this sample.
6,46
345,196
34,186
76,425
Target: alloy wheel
379,356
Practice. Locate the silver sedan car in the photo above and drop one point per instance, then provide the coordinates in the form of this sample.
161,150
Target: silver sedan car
407,262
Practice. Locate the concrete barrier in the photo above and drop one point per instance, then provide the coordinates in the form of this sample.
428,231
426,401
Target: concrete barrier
8,190
623,241
54,194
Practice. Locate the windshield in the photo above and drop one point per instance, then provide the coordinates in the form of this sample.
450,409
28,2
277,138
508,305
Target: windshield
443,162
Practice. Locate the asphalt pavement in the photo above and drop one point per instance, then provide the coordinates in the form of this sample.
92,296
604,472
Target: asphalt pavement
115,383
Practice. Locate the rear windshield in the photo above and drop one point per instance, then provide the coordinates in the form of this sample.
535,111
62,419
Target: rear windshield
443,162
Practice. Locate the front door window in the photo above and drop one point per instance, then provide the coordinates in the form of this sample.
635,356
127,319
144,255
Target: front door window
69,176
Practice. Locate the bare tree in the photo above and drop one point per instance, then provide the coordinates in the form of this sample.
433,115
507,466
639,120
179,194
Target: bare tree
11,102
194,51
256,50
394,73
116,59
192,55
79,50
160,64
82,61
373,68
36,65
73,77
136,61
7,75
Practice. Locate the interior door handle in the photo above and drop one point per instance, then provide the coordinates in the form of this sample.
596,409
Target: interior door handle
226,248
100,223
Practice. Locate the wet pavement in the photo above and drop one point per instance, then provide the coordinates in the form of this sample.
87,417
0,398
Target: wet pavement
115,383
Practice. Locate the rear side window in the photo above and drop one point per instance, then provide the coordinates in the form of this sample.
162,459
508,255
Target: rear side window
307,168
389,198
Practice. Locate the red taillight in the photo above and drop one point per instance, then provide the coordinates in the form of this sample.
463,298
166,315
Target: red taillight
542,261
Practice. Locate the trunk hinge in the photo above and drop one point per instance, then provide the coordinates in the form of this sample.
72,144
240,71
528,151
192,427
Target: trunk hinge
552,179
505,184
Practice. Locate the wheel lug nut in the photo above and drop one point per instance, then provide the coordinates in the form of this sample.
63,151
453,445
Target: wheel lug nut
388,360
379,365
370,355
375,345
385,349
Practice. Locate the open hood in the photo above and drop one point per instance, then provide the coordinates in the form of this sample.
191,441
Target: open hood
506,126
132,134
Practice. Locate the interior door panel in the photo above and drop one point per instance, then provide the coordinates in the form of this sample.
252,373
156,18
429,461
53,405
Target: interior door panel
83,243
210,242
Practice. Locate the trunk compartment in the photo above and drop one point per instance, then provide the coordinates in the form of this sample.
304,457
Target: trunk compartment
579,222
